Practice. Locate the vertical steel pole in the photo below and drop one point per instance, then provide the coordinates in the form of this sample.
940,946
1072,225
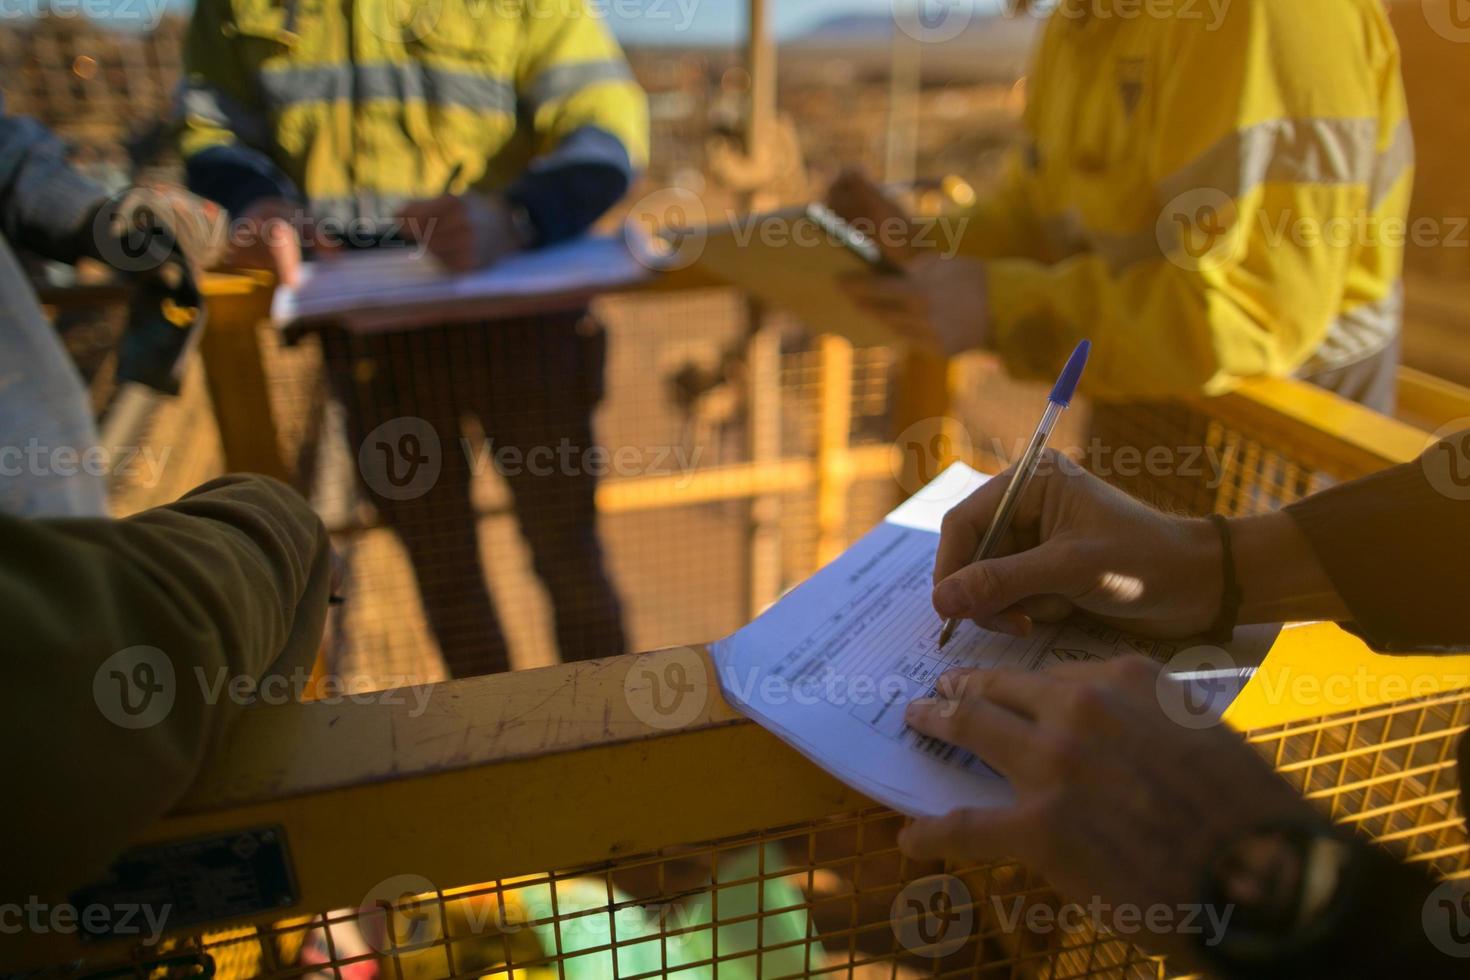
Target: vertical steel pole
760,62
901,158
763,341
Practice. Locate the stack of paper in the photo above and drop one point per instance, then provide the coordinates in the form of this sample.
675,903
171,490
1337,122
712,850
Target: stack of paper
831,667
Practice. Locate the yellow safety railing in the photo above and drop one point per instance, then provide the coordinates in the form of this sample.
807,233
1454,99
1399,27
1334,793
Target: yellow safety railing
553,823
471,809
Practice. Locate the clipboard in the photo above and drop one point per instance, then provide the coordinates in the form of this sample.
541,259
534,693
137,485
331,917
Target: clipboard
794,260
396,289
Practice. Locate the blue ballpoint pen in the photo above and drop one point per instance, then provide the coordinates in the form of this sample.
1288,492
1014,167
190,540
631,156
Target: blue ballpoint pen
1056,403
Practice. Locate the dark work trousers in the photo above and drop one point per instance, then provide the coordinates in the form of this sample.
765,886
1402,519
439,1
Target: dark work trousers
533,384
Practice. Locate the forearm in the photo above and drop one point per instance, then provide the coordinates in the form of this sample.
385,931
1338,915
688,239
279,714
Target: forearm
1383,554
1280,577
566,191
587,118
235,177
130,634
1278,574
1393,545
45,205
223,130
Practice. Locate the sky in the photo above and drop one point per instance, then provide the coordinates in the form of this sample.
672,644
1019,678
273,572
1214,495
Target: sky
635,21
710,21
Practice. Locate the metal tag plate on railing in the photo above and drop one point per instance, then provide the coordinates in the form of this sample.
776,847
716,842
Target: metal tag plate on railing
187,883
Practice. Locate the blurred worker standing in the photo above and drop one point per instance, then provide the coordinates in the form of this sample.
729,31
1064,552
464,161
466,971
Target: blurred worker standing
488,128
1208,192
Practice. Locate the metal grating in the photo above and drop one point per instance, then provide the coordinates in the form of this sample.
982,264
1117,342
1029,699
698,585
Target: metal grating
833,897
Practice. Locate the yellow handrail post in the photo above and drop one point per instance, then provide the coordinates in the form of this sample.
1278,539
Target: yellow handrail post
921,394
834,465
236,375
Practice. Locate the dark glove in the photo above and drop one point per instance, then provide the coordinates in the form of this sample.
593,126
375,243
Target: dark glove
137,233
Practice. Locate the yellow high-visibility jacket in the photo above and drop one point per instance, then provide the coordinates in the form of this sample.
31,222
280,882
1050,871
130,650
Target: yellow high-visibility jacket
365,104
1208,195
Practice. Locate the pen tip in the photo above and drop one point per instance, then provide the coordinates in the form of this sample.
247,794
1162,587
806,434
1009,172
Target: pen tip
1066,385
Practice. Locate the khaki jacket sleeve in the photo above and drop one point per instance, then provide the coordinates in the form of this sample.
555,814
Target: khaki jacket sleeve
123,638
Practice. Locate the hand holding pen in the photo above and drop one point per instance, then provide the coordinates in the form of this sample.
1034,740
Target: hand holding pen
1056,403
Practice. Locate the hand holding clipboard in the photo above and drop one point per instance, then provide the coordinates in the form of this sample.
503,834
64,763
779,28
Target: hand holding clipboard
936,301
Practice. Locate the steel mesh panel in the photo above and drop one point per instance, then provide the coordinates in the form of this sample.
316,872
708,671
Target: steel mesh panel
831,897
1173,455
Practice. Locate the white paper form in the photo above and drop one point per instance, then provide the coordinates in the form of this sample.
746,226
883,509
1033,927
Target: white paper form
381,289
831,667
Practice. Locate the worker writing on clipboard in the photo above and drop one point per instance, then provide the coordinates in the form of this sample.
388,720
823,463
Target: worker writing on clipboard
489,128
1207,197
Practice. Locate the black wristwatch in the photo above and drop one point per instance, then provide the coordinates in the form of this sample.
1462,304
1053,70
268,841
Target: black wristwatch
1287,887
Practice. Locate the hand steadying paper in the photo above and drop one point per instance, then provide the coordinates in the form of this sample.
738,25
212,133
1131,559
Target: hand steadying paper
832,666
